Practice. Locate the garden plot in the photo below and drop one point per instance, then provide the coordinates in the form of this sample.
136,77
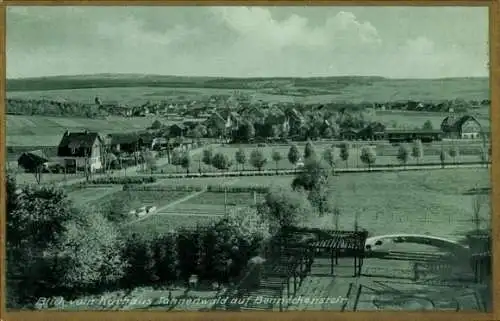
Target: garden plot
90,195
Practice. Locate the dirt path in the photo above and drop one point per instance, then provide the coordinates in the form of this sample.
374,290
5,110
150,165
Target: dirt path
192,214
178,201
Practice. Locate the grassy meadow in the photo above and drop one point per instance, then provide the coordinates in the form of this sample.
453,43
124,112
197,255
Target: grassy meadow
437,202
47,131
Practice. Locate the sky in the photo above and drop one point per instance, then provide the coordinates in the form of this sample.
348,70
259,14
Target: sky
393,42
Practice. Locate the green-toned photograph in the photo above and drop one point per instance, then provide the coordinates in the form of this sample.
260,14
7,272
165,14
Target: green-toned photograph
213,158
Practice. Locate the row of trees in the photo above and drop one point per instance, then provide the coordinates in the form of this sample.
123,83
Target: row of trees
258,159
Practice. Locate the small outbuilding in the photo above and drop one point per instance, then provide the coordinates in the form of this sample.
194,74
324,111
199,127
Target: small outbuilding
32,161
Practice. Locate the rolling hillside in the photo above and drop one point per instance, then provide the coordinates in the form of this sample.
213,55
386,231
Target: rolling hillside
129,89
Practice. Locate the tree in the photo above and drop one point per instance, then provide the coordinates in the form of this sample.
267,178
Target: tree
257,159
329,157
483,155
186,161
245,132
345,149
321,198
150,161
442,157
156,124
241,157
284,207
221,162
207,156
199,131
454,153
314,174
54,248
417,151
142,266
90,251
309,150
328,132
38,172
477,204
403,154
293,155
428,125
276,156
368,156
176,159
117,211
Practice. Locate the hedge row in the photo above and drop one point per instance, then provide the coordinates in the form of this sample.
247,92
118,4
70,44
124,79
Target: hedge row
162,188
187,188
123,180
231,174
236,189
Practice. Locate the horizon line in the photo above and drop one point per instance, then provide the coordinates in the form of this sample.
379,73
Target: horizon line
243,77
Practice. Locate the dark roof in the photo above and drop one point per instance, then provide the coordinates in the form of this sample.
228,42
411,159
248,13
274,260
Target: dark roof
455,123
464,119
181,126
123,138
80,139
34,157
410,131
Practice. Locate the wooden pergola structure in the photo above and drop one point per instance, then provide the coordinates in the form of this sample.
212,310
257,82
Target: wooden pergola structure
292,268
312,240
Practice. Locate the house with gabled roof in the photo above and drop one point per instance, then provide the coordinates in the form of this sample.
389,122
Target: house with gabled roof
464,127
80,150
123,142
32,161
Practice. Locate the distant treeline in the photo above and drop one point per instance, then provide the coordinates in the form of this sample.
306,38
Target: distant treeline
81,82
43,107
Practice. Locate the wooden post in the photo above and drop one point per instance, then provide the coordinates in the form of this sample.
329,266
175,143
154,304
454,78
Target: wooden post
225,201
331,261
355,264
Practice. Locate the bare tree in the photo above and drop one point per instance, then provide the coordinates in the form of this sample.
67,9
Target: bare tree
336,217
38,173
478,202
87,166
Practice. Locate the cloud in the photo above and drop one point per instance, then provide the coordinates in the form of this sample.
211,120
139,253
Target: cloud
420,57
242,41
257,24
131,31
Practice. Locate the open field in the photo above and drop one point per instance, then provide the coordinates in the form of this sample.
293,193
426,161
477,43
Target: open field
46,131
232,181
154,198
409,202
86,196
397,202
134,89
